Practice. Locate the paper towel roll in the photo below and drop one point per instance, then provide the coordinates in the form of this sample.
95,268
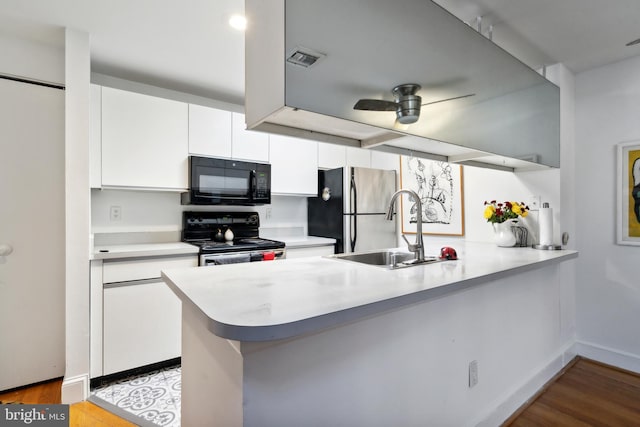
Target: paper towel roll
545,221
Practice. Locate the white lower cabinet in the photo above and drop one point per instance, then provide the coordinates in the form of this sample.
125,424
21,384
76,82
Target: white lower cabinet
140,316
141,325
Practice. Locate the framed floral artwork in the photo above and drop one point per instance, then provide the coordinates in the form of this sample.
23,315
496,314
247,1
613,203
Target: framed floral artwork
628,191
439,186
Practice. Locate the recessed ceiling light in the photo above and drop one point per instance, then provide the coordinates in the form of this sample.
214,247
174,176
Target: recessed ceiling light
238,22
633,42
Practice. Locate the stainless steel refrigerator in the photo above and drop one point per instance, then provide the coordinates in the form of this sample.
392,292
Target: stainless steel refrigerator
351,207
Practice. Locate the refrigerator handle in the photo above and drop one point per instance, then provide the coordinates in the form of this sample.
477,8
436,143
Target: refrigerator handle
353,231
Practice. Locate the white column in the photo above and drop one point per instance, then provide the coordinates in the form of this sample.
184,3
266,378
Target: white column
75,386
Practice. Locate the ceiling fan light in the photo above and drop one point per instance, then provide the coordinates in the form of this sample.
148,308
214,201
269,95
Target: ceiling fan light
407,119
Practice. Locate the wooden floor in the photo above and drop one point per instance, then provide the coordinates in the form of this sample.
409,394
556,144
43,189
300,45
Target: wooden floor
81,414
586,393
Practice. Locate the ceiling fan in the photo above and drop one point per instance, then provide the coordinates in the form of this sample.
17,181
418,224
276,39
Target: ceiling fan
406,104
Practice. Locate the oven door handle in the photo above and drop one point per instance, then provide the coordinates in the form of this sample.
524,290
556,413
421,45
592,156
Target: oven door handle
228,258
239,257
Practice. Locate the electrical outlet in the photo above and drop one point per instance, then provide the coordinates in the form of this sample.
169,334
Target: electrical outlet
473,373
534,203
267,213
115,213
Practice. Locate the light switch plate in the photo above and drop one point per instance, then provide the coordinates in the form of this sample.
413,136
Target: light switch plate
534,203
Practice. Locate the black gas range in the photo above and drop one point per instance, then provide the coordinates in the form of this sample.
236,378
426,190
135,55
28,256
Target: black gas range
229,238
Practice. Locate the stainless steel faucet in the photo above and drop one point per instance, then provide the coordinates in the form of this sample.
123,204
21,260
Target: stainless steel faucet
418,247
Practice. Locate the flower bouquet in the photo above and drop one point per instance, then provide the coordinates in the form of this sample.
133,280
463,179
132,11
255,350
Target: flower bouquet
503,217
495,212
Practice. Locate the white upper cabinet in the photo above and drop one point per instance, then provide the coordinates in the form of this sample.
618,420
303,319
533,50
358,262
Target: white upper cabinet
358,157
294,165
248,144
145,141
95,138
331,156
209,131
387,161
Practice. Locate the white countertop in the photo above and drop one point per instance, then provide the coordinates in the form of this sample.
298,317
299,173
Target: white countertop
275,300
143,250
305,241
181,248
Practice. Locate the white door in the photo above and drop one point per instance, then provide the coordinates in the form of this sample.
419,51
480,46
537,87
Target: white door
32,225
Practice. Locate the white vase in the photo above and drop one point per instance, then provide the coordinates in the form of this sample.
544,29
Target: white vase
503,236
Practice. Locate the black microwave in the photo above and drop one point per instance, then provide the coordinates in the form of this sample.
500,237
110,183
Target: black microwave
227,182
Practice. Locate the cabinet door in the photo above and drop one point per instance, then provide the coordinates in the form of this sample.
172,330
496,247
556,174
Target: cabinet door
358,157
209,131
387,161
144,141
248,144
141,326
310,251
294,165
331,156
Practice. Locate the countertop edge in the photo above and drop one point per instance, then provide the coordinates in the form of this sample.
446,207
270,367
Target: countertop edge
143,250
306,242
325,321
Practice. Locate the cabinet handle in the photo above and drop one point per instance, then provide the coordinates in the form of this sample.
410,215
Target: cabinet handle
111,285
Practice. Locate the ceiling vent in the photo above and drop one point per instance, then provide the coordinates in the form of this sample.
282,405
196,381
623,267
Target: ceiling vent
304,57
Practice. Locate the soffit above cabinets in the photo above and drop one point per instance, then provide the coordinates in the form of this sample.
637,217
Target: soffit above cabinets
371,46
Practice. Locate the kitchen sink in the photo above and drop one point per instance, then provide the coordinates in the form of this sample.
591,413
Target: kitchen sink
388,258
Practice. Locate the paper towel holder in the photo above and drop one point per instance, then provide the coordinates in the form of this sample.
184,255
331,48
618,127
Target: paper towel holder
547,247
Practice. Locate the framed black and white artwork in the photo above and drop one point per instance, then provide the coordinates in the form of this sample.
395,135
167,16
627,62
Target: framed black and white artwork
440,188
628,191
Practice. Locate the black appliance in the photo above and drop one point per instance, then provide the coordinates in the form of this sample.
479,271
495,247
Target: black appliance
227,182
351,207
207,230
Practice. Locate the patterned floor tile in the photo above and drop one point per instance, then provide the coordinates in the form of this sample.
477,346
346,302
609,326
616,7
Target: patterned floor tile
155,396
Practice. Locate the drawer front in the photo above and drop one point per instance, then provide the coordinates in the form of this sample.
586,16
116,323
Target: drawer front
309,251
141,326
139,269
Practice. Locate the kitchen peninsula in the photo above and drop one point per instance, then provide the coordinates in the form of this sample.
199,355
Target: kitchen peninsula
320,341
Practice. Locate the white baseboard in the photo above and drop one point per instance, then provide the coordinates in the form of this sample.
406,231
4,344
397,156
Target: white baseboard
515,398
609,356
75,389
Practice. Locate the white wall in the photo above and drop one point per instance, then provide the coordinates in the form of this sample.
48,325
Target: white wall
482,185
44,62
160,212
607,281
